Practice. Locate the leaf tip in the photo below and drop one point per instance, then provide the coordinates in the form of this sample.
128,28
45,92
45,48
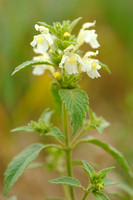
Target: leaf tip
5,192
13,73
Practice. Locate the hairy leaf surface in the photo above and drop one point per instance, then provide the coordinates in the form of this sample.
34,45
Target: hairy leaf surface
98,123
76,103
67,181
28,64
55,132
108,182
46,115
114,152
100,196
23,128
19,163
88,169
103,173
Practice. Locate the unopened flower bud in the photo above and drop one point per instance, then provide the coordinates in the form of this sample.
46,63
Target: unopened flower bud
100,185
66,35
57,75
59,56
50,50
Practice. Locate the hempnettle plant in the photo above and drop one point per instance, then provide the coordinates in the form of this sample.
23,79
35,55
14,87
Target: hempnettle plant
58,51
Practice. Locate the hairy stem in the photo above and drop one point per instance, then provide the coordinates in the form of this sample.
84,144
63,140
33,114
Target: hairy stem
68,151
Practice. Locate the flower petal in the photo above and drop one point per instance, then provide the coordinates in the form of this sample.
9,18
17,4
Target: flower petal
90,54
49,39
42,29
93,74
89,24
39,70
71,69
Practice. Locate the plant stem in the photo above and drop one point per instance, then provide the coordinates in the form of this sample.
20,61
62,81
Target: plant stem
78,136
85,195
68,150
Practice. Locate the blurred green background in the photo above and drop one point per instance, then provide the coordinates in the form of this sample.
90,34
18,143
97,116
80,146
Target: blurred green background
23,97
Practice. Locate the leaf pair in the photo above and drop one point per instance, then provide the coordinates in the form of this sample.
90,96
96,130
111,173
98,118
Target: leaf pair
97,179
98,123
70,181
43,126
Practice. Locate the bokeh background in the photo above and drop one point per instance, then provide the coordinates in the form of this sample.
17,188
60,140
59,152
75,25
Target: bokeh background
23,97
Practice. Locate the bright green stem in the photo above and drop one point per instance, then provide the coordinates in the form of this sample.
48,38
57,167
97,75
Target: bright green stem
85,195
68,151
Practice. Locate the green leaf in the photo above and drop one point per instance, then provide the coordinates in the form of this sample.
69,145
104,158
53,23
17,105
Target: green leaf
28,64
76,103
100,196
23,128
43,124
108,182
49,27
19,163
55,93
55,132
115,153
120,196
13,198
88,169
103,173
105,67
98,123
46,116
126,188
74,23
35,165
67,181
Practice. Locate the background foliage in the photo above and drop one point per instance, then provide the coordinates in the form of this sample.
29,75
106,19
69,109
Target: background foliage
23,97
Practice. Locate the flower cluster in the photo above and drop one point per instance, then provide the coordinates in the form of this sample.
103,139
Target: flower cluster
60,49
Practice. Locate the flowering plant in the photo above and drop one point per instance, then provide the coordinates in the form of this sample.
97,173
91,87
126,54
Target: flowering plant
58,51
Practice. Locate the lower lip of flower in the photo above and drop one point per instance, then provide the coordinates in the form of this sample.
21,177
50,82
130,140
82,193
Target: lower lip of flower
72,60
